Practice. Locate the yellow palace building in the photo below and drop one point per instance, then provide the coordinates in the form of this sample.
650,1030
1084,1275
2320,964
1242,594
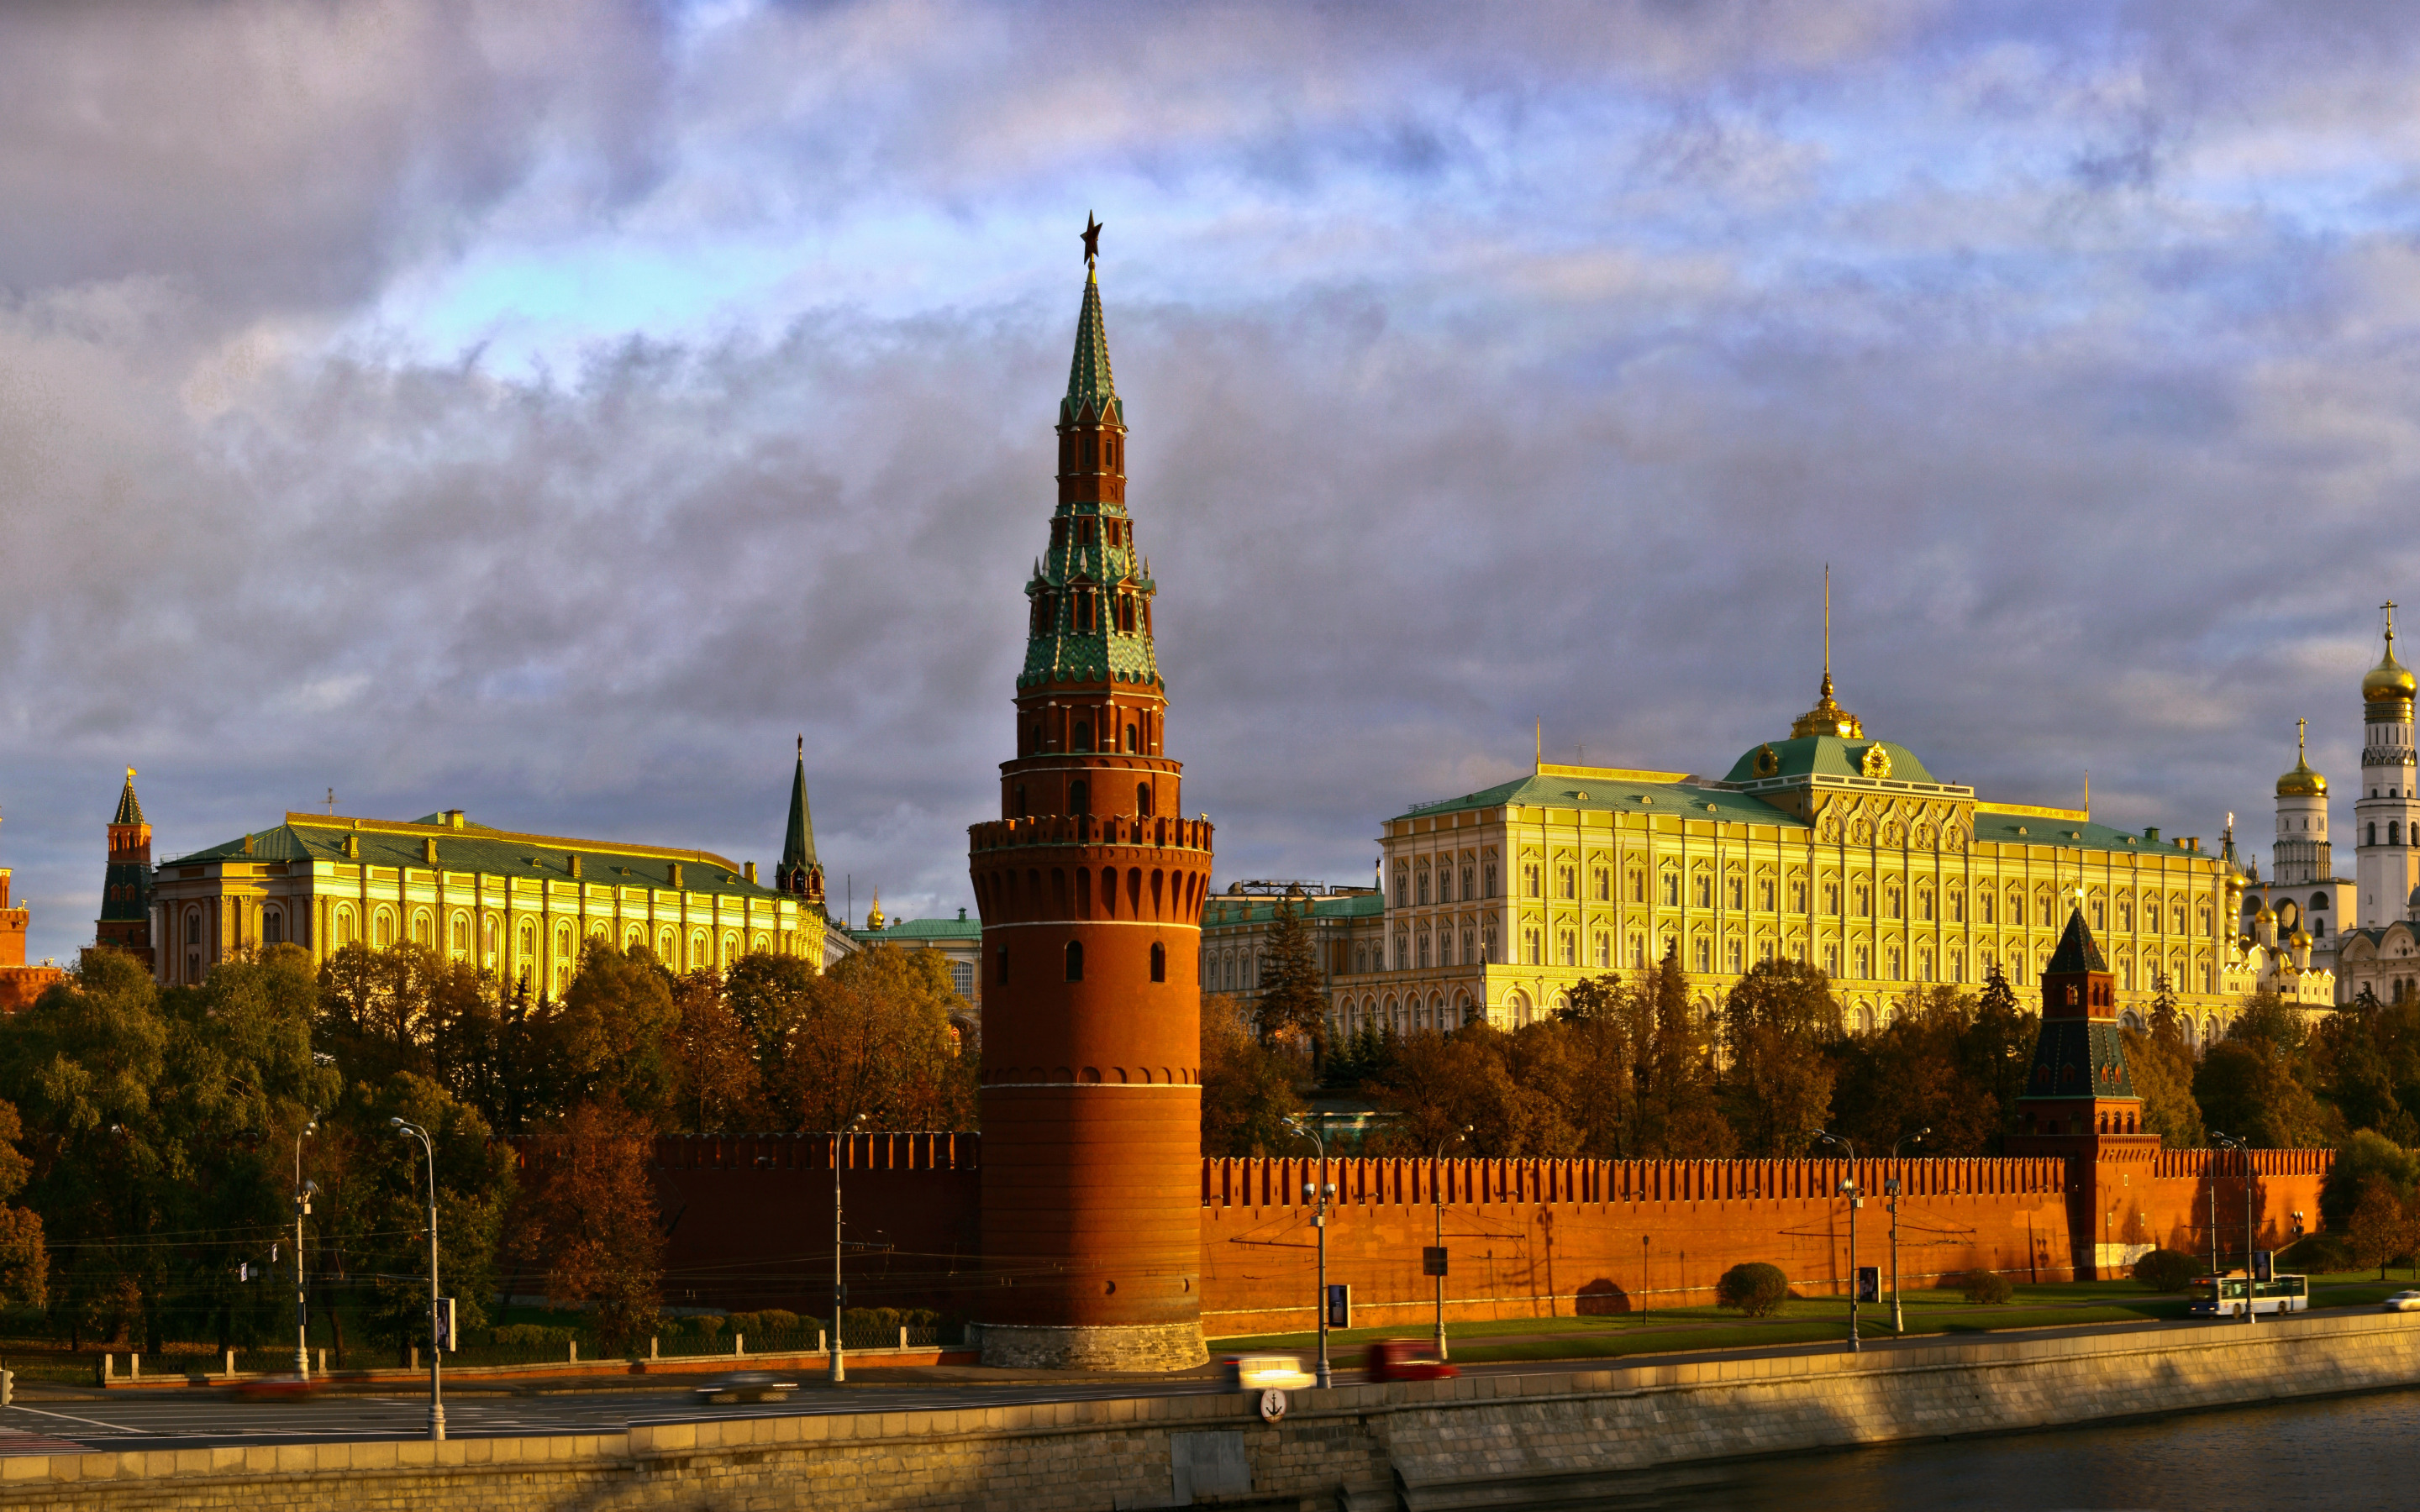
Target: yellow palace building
517,905
1827,847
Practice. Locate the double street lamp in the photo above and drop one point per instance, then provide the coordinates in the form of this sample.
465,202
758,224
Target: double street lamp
1891,1189
840,1292
1436,1200
437,1340
1855,1200
304,1192
1319,1194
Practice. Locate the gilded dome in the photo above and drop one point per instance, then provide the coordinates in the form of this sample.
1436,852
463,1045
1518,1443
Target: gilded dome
2303,781
2390,681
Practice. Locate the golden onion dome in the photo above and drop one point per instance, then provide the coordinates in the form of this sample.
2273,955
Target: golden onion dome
2390,681
2304,782
2265,912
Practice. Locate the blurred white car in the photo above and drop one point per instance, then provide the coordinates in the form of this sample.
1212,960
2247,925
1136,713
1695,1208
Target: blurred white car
2402,1301
1268,1372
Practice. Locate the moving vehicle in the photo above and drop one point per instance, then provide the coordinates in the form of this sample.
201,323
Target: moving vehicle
746,1386
1266,1372
1405,1359
270,1387
2402,1301
2223,1296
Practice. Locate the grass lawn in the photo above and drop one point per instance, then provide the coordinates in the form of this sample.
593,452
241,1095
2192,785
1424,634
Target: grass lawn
1800,1321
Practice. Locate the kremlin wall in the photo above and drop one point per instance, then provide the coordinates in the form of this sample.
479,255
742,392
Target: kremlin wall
751,1220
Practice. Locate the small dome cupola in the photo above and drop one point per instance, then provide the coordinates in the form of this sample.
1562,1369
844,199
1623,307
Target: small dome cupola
2303,781
2388,690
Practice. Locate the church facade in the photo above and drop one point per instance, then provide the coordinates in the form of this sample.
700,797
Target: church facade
1828,847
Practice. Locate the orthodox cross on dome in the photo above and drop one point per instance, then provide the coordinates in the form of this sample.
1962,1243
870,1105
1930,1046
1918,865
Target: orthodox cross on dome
1092,238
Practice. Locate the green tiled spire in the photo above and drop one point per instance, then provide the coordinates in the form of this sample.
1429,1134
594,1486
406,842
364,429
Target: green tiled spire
1090,391
130,808
800,874
2077,950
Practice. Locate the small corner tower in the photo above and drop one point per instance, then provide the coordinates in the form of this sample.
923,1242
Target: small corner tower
2386,864
2080,1086
1091,887
2080,1103
125,922
800,874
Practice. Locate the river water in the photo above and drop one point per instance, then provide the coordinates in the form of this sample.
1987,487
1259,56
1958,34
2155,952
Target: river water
2344,1452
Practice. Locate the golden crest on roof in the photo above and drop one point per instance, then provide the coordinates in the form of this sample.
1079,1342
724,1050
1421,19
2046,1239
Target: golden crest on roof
1827,718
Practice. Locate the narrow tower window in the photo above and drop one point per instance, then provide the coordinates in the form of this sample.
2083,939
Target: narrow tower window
1075,961
1158,962
1143,800
1003,965
1079,796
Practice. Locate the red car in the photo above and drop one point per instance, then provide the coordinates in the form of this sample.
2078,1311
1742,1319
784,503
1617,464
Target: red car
1405,1359
288,1385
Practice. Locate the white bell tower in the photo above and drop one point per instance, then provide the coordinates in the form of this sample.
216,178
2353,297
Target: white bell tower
2387,865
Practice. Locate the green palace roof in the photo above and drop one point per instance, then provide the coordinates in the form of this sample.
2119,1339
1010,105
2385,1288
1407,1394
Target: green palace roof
1224,909
1825,756
477,848
960,928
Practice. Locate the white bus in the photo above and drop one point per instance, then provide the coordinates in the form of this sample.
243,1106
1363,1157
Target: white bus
2223,1296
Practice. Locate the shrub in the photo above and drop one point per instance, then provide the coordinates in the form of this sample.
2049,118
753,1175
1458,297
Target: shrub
529,1335
1754,1287
1987,1289
2167,1269
706,1325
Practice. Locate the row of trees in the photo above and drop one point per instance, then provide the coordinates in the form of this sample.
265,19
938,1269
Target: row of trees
1630,1071
155,1132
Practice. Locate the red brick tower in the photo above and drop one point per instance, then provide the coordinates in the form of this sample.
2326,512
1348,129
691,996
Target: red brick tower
1091,887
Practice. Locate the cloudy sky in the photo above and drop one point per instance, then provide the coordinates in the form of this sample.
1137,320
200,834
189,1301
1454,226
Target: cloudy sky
552,409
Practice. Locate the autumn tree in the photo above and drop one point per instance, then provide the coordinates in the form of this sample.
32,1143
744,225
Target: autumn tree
589,1220
1248,1089
25,1264
611,1033
1776,1084
2376,1231
714,1055
874,1035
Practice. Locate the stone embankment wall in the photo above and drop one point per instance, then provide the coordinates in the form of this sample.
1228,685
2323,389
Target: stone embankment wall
1487,1441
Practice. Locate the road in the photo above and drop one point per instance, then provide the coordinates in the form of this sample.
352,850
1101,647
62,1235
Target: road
192,1419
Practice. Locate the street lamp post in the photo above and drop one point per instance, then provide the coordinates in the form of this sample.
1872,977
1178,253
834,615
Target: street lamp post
436,1378
1891,1189
1317,1194
1849,1191
1436,1196
839,1293
302,1294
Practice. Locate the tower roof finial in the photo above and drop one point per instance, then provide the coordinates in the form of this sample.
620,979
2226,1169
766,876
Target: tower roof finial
1092,240
1827,718
1092,392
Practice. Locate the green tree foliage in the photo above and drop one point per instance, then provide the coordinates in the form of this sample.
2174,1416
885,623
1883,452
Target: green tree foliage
1292,1004
1678,1115
1753,1288
1778,1084
371,1220
2167,1269
611,1033
1947,1062
154,1126
2366,1065
2365,1156
2162,1068
2254,1085
1248,1089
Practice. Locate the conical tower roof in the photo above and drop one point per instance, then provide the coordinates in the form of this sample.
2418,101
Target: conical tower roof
799,841
1092,392
130,808
2077,950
